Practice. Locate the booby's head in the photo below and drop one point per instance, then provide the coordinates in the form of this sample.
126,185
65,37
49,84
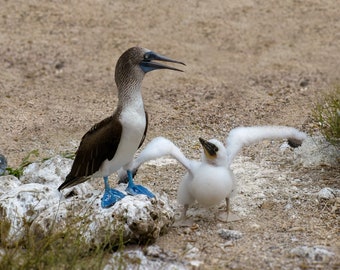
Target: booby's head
214,152
134,63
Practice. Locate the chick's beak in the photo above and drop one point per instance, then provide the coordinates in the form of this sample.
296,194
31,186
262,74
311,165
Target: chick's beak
209,147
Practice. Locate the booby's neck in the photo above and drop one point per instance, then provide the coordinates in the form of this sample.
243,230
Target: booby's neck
130,95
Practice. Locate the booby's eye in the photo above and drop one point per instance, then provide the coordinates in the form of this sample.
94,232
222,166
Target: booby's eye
215,148
147,56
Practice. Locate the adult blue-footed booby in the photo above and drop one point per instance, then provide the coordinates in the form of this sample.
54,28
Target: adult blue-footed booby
112,143
211,180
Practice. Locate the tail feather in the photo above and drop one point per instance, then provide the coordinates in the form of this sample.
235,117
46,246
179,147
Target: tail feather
242,136
71,181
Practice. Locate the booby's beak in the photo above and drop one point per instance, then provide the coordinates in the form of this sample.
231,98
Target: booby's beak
210,149
148,65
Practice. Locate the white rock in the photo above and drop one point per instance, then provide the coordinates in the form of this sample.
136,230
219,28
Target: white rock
7,183
52,172
191,252
153,251
315,254
317,151
195,264
22,204
136,259
40,206
255,226
288,206
156,252
326,193
135,218
284,146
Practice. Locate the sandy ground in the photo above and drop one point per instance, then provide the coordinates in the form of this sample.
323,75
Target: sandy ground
248,63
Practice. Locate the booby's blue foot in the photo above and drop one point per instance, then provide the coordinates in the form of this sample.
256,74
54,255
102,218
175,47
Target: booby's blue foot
138,189
111,196
133,189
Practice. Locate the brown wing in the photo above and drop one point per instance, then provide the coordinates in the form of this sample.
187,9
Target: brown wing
98,144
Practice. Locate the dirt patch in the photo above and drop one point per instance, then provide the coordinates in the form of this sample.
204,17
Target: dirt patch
248,63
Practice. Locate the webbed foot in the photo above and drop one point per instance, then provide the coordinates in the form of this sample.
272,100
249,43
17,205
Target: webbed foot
133,189
110,197
138,189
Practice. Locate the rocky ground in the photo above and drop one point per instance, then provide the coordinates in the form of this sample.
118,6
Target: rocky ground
248,63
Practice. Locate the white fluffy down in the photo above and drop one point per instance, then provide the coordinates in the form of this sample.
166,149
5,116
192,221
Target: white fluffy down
208,186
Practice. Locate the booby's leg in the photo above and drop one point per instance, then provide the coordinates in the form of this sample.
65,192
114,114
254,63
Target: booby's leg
184,212
183,221
133,189
227,206
225,214
111,196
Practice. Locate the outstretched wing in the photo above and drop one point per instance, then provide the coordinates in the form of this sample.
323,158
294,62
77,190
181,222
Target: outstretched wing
98,144
242,136
157,148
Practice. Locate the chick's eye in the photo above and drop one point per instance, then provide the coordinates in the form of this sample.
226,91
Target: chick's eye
216,149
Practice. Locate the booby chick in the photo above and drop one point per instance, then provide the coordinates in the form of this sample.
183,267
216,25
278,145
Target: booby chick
112,143
211,180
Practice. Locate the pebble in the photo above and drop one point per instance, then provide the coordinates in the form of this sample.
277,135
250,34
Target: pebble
326,193
296,229
255,226
195,264
229,234
191,252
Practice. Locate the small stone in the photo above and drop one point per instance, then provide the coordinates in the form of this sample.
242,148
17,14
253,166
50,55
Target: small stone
191,252
296,180
255,226
288,206
153,251
296,229
228,243
229,234
59,65
304,82
194,227
195,264
326,193
187,231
